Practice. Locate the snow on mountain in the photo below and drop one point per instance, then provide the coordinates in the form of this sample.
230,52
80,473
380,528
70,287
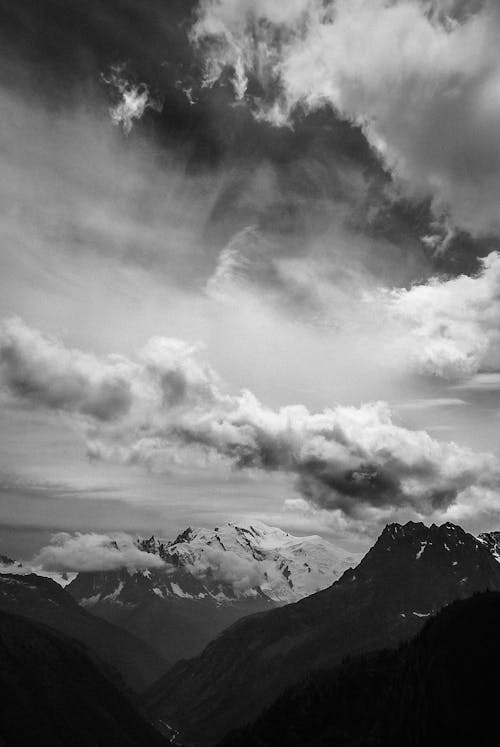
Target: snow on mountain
229,563
491,540
256,556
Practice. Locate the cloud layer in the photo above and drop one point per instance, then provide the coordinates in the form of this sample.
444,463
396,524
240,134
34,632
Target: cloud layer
422,78
167,406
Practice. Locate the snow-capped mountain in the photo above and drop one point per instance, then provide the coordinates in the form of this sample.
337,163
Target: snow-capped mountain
255,559
225,564
210,579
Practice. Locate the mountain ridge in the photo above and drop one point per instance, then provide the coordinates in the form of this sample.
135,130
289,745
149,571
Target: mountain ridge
211,579
42,600
410,572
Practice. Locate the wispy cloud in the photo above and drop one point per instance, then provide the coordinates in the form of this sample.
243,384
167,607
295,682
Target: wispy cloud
430,403
481,382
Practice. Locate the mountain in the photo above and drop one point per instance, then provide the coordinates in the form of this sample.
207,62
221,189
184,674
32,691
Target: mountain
54,692
212,578
44,601
411,572
439,689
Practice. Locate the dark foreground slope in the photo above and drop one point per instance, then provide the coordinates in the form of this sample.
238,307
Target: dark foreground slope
54,692
42,600
411,572
439,689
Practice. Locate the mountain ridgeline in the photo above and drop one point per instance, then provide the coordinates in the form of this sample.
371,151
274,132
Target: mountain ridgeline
410,573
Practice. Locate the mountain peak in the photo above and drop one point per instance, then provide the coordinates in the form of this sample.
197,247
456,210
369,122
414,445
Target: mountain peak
414,551
153,545
417,530
184,536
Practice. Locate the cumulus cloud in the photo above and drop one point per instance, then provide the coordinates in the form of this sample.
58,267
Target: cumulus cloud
93,552
343,458
421,77
40,370
132,99
452,326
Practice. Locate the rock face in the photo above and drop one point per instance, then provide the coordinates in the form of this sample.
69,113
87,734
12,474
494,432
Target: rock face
211,579
411,572
54,692
491,540
439,689
42,600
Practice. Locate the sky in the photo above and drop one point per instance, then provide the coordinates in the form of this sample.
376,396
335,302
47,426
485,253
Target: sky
249,266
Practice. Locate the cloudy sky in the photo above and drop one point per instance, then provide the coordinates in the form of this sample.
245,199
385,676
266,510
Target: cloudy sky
250,266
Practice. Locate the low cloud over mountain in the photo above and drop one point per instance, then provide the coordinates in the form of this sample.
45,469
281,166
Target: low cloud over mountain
94,552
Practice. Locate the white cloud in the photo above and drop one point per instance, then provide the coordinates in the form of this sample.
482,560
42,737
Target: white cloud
40,370
229,568
93,552
344,458
451,327
422,78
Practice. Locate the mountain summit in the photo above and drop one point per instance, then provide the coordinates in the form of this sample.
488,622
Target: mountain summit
410,573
